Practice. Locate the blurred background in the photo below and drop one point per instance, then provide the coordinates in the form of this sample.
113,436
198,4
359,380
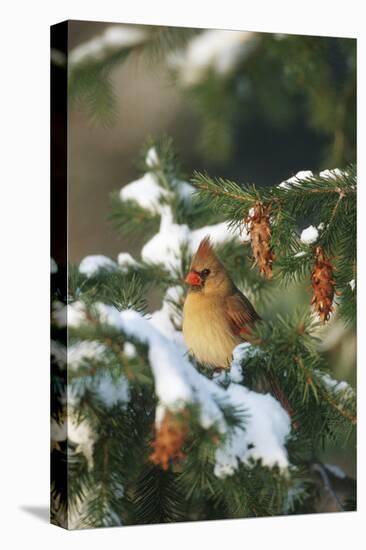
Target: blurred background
253,107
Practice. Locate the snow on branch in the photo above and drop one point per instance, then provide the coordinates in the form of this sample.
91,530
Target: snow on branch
296,180
79,432
266,425
149,192
146,192
90,265
165,246
264,436
309,235
337,387
113,39
218,50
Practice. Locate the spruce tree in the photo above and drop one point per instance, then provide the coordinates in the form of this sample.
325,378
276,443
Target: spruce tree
142,433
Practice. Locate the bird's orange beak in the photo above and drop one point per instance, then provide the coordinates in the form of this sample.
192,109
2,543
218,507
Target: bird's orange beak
193,279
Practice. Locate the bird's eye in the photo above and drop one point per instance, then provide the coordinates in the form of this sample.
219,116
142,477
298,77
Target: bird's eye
205,273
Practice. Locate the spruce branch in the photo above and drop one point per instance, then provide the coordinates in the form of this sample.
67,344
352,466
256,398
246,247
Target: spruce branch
113,372
328,198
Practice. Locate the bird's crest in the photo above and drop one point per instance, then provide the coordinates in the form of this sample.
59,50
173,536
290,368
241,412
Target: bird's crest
205,255
205,248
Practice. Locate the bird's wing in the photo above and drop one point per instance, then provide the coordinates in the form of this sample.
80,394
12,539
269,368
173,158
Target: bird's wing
241,313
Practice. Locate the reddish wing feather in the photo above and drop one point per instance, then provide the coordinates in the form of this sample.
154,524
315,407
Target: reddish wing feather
241,313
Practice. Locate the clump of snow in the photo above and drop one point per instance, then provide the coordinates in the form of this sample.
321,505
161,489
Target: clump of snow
335,385
309,235
90,265
352,284
129,350
332,174
73,314
296,180
78,433
78,353
59,353
184,190
172,386
299,178
123,36
168,318
150,195
146,191
152,159
335,470
81,435
165,246
125,260
218,50
178,383
300,254
218,233
263,437
112,392
239,354
113,39
54,267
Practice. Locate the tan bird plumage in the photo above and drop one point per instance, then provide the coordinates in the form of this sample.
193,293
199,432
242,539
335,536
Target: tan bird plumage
216,315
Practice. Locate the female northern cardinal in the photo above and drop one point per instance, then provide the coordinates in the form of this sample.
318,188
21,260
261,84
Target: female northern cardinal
216,315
